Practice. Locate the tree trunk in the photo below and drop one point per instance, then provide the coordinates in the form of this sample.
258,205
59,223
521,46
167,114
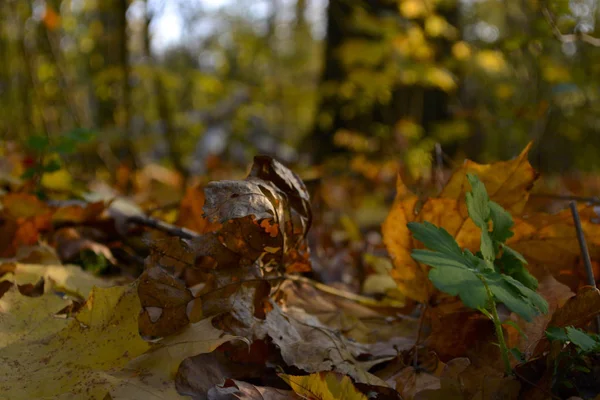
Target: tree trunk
424,105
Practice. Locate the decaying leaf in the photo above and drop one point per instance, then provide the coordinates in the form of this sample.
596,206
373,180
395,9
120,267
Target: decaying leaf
324,386
306,343
190,211
549,243
264,218
197,375
154,371
164,301
578,311
234,389
356,321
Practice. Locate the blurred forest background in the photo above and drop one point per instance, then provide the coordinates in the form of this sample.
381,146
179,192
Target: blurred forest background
113,84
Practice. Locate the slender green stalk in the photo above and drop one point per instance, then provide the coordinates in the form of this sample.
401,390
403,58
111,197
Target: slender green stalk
499,332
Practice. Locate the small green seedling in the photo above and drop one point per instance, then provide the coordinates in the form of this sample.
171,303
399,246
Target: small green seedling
495,274
576,360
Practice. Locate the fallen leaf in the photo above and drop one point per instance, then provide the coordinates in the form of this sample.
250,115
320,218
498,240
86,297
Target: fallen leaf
323,386
25,318
63,278
234,389
102,337
306,343
549,243
190,211
164,301
578,311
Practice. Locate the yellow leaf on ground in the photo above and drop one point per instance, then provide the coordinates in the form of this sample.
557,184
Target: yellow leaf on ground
68,277
155,370
73,362
29,318
323,386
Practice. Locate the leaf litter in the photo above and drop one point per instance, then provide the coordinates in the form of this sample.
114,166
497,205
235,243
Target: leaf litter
218,313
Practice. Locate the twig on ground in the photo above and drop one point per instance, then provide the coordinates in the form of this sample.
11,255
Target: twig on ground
584,252
163,226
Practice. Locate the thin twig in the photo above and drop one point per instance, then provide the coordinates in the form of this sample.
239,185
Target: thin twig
418,339
584,252
570,37
163,226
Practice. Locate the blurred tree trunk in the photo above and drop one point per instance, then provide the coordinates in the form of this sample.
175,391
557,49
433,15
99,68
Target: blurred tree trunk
165,114
423,105
110,68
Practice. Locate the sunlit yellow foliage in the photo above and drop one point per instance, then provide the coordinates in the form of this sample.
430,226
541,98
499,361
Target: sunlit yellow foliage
441,78
491,61
363,52
555,73
409,129
418,160
355,141
461,50
413,8
436,25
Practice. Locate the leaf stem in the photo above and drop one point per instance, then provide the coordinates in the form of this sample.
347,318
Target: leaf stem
498,326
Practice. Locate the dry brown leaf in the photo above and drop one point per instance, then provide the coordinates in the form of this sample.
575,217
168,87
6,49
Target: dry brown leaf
164,301
549,243
234,389
578,311
191,213
358,322
556,294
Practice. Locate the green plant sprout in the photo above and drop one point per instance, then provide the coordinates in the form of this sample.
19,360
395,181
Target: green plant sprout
495,274
576,359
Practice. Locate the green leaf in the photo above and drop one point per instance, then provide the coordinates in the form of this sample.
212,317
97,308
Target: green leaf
510,265
556,333
434,238
521,300
462,282
582,340
479,210
502,221
518,355
514,253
